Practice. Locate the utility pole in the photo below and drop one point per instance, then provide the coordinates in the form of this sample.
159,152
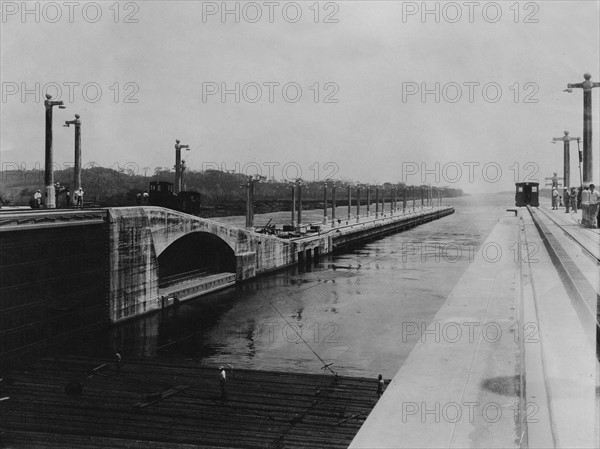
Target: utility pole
299,204
349,202
49,169
178,147
293,223
325,203
250,199
357,202
587,87
566,156
77,174
333,204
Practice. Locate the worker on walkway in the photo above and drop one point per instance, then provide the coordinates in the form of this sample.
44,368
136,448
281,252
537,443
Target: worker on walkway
380,385
223,382
554,198
595,199
573,199
118,362
38,199
79,196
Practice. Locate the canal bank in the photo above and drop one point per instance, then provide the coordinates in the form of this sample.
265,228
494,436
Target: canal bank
510,358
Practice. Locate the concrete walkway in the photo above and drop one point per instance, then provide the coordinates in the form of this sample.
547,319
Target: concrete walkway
565,341
459,385
507,361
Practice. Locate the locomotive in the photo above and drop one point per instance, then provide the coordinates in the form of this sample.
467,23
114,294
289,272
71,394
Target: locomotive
161,194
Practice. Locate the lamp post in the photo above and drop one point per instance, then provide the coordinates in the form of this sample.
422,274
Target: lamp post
357,202
49,172
299,203
368,187
333,206
566,156
349,202
325,203
178,147
250,199
580,157
376,201
587,87
77,174
293,222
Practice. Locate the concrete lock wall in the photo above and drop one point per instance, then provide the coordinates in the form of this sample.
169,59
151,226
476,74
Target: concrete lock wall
138,235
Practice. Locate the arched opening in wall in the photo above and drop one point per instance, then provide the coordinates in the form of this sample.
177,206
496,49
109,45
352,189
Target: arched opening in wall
196,255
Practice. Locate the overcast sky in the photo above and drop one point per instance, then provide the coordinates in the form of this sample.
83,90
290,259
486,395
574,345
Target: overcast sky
361,70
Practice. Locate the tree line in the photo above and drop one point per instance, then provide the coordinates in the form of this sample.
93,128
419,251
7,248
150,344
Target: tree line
110,187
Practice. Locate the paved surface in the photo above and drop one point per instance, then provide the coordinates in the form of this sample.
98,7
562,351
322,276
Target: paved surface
537,384
158,404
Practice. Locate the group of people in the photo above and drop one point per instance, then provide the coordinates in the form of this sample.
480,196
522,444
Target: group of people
142,198
575,197
36,201
571,198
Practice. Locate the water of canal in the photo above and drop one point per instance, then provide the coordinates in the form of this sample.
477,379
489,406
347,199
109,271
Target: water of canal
352,308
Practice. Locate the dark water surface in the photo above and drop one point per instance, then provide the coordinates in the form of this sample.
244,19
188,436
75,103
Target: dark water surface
350,308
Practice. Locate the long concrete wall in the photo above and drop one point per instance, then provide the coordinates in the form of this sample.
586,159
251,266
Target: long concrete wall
138,236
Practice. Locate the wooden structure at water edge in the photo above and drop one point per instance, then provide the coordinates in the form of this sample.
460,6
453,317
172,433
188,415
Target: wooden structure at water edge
155,404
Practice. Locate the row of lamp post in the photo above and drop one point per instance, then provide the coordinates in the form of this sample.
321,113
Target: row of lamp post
50,192
380,200
585,155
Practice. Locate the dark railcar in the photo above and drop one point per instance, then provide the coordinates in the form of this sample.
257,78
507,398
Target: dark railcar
527,193
161,194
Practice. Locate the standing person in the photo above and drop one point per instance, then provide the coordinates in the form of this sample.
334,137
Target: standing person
223,382
118,362
585,195
579,196
79,194
38,199
554,198
380,385
573,198
68,197
595,199
566,196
